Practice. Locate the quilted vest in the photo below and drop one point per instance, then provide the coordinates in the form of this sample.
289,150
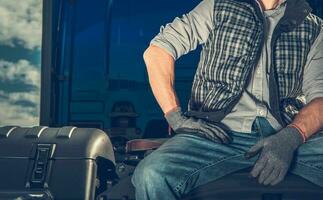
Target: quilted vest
233,49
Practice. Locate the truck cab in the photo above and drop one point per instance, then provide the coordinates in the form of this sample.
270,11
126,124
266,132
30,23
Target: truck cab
93,73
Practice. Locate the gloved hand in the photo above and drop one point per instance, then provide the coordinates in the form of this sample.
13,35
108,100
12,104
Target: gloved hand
183,124
276,155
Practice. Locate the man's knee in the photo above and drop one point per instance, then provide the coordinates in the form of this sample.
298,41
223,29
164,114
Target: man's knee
147,173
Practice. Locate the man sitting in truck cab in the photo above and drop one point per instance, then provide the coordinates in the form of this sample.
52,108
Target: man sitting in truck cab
256,99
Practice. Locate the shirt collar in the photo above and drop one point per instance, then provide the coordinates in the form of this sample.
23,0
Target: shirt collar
281,2
276,11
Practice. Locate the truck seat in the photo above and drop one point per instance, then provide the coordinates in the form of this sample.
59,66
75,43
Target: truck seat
236,186
139,145
239,186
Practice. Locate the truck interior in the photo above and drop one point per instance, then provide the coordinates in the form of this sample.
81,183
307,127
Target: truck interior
94,76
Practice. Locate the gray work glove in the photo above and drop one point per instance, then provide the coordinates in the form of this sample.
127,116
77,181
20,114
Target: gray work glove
277,152
183,124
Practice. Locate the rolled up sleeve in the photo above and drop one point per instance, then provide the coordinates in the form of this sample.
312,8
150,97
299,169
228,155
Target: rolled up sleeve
313,73
185,33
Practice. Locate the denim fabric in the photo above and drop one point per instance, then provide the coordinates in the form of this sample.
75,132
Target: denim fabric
186,161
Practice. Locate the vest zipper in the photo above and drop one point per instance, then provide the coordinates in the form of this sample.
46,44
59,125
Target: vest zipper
274,96
229,108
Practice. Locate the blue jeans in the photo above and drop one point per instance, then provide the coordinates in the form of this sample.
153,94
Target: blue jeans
186,161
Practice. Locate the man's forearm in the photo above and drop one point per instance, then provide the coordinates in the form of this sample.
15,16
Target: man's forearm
160,68
310,118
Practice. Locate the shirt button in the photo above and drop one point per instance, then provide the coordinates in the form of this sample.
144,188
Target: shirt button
258,71
261,113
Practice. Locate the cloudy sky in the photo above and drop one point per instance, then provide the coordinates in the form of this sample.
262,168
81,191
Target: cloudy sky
20,43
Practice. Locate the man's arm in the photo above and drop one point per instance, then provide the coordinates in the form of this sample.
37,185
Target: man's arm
310,118
277,150
185,33
173,41
160,67
176,39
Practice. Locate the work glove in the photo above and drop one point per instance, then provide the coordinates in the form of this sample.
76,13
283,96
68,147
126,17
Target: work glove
183,124
277,152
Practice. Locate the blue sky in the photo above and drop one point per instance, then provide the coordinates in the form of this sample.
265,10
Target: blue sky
20,43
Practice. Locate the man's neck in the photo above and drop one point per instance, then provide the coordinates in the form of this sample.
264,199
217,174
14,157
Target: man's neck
269,4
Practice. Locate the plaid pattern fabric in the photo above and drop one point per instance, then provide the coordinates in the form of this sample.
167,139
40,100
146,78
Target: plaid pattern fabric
230,54
290,54
227,57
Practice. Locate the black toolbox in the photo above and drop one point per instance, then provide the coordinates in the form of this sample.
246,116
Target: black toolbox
54,163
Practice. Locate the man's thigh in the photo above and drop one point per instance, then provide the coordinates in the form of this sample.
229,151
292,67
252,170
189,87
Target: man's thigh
187,161
309,160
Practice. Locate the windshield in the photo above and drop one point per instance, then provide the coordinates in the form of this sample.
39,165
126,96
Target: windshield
20,46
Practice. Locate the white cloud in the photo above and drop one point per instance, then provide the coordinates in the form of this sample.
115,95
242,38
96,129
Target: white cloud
17,115
20,107
23,70
20,23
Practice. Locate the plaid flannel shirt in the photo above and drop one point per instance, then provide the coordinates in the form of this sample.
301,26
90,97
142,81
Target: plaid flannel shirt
232,47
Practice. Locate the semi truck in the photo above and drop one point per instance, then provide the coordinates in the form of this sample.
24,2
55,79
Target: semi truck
93,76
